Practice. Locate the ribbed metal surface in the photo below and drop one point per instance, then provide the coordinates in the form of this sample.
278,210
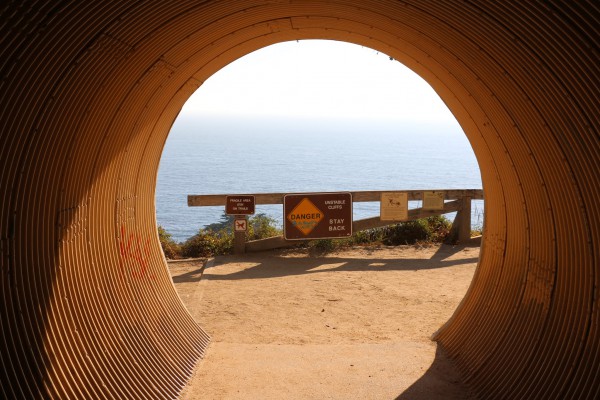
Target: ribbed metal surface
89,92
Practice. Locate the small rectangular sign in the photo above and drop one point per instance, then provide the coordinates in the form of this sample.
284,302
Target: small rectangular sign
394,206
239,205
317,216
240,224
433,200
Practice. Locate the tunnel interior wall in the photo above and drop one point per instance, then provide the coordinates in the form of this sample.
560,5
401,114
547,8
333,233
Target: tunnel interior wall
91,89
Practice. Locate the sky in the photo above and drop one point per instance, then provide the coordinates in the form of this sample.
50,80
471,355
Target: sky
318,78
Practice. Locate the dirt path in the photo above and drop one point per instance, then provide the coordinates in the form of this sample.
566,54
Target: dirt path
349,325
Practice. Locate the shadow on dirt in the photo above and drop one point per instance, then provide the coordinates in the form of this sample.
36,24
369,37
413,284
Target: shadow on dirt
275,264
441,381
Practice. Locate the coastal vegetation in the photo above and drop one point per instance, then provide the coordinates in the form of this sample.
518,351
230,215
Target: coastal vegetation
170,248
217,239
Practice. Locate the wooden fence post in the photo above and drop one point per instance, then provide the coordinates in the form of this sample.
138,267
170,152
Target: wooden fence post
464,223
240,226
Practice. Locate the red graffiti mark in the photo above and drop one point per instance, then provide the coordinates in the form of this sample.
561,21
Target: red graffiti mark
135,253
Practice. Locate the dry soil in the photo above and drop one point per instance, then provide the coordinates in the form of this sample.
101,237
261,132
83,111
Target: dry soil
354,324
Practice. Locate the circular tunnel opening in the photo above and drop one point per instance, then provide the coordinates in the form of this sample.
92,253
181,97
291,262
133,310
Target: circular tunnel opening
317,116
310,116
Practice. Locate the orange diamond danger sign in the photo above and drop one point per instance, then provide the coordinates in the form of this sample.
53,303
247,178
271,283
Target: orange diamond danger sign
305,216
310,216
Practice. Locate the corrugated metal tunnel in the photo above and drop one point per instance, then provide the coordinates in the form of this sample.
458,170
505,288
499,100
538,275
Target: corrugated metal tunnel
90,90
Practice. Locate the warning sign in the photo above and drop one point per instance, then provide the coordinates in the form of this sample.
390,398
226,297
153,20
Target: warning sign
433,200
317,216
305,216
239,205
394,206
241,225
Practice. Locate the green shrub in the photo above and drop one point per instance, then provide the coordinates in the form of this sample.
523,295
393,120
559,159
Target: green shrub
262,226
439,228
207,243
433,229
323,245
171,249
217,239
225,223
406,233
426,230
369,236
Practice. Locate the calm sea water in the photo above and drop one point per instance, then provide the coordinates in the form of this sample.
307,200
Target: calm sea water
231,155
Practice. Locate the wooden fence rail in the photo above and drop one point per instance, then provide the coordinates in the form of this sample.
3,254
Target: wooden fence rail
460,202
205,200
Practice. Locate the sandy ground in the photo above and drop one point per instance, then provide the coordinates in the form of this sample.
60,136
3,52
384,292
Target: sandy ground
347,325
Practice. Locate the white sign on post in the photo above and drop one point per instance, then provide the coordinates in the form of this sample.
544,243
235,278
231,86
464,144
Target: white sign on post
241,225
394,206
433,200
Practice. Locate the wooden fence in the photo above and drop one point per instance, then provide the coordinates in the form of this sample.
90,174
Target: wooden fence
456,200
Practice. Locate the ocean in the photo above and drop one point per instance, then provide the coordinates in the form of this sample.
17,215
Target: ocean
239,155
